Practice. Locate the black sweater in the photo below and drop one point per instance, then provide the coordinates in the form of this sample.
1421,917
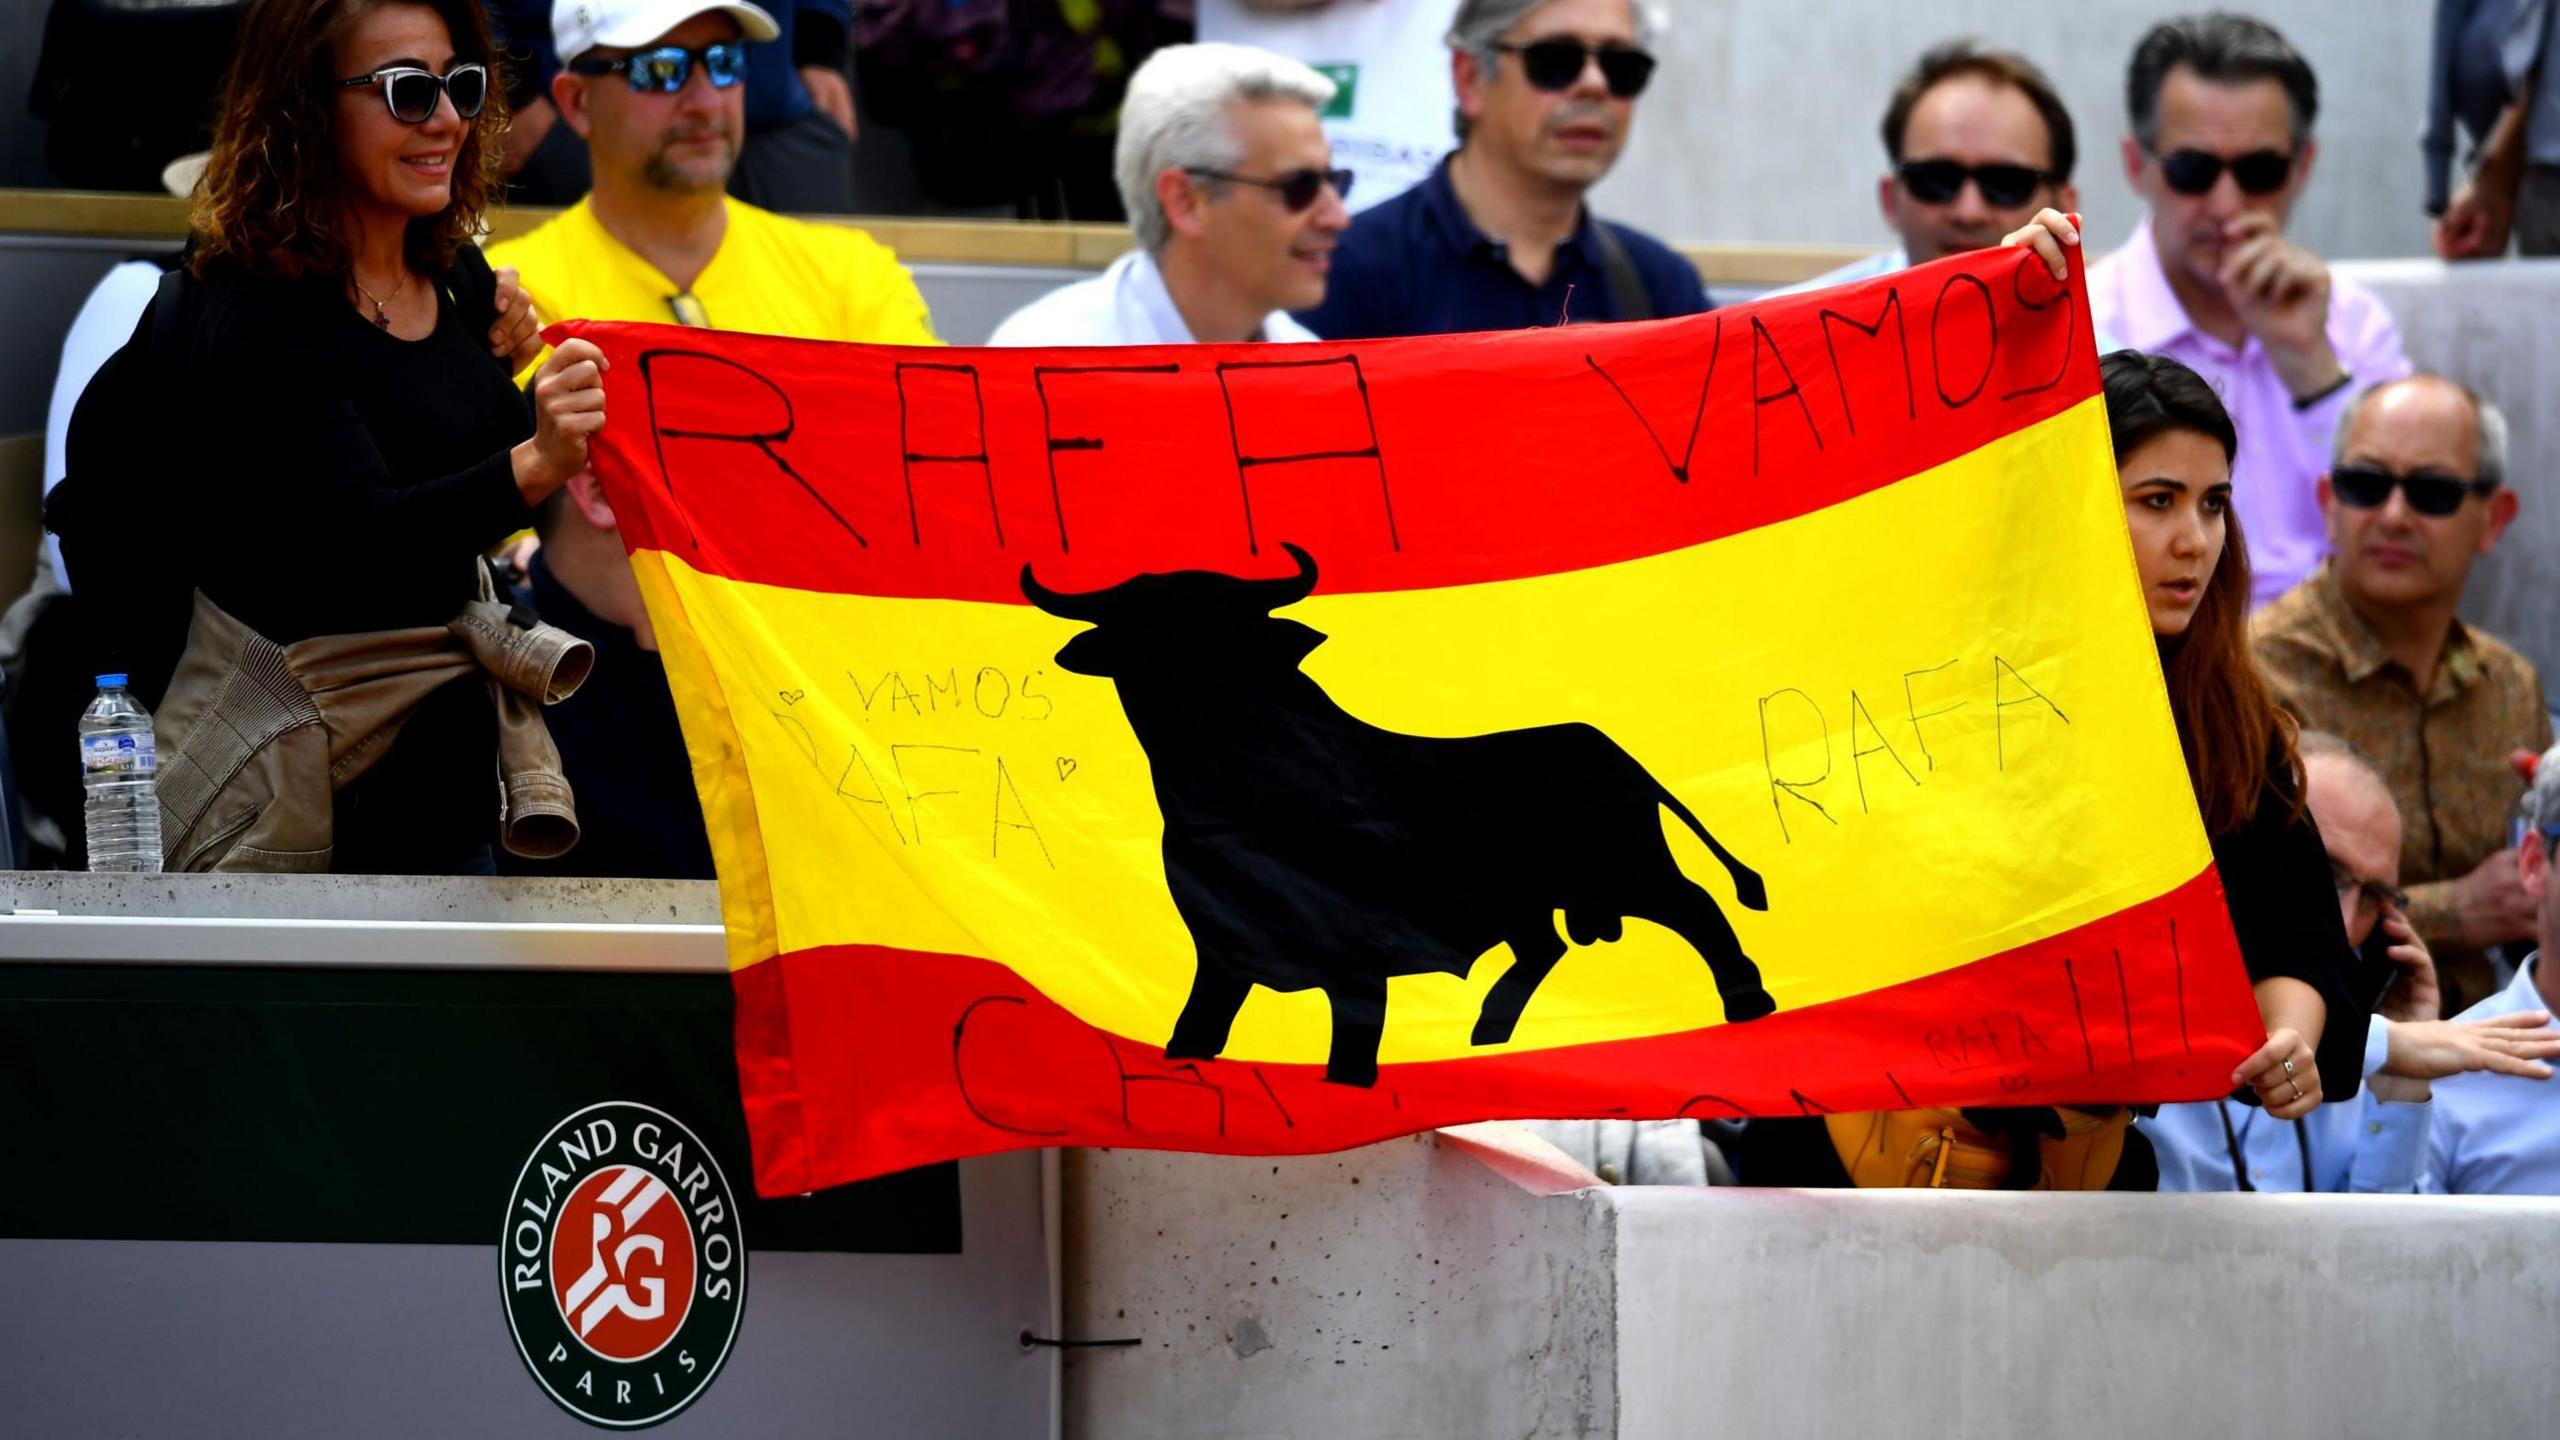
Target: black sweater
350,481
2284,908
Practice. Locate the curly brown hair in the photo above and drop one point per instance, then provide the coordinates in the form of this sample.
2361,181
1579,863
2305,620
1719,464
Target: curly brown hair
269,201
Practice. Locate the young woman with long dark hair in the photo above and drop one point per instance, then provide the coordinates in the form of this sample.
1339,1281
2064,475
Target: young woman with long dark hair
2174,444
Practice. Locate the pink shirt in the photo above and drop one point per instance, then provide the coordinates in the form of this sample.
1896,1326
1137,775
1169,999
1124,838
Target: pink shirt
2283,450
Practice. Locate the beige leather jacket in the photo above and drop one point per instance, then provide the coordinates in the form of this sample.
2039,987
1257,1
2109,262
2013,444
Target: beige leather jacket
255,738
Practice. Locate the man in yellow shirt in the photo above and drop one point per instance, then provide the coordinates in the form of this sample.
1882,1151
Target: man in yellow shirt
657,90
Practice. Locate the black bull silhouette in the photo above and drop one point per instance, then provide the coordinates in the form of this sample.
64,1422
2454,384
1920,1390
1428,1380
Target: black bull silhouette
1308,849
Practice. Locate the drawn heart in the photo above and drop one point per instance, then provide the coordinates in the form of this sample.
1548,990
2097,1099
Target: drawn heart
1066,767
792,697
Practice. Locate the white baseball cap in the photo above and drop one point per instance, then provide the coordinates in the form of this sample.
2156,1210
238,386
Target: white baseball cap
578,26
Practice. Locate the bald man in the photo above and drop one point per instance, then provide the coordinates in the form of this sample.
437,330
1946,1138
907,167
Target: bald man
2377,1143
2369,648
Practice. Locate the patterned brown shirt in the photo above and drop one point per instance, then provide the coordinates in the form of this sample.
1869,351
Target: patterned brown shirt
2445,754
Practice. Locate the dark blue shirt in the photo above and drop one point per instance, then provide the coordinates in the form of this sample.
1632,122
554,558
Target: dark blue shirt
620,746
1417,265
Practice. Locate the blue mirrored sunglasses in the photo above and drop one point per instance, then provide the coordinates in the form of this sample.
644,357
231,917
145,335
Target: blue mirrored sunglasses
666,69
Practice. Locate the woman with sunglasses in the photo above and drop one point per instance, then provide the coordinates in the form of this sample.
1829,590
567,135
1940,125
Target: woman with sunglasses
357,445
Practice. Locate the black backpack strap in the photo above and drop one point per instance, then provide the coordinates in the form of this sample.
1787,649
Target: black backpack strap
1625,285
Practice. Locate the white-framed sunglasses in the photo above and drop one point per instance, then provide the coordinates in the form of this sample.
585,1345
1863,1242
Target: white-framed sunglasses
411,93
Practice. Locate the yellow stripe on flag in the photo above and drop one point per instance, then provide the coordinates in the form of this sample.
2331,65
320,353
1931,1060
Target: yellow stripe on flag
921,774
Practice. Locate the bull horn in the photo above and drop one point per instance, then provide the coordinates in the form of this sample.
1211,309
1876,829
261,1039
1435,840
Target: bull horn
1288,590
1087,607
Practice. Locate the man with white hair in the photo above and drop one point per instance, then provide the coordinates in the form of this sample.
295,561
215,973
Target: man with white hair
1231,189
1498,237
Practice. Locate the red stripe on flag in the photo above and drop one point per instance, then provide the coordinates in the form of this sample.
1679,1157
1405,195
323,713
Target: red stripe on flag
1401,464
921,1058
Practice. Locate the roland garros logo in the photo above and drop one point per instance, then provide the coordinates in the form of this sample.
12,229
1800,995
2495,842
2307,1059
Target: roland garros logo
623,1268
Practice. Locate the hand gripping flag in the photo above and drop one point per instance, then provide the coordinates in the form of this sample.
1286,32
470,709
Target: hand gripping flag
1274,748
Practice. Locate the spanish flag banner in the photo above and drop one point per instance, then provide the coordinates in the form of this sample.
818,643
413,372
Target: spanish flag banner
1274,748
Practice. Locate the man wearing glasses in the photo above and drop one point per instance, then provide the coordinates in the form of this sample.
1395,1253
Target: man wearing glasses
2369,648
1231,189
1978,141
2377,1143
797,156
1498,237
2221,112
655,89
2495,1135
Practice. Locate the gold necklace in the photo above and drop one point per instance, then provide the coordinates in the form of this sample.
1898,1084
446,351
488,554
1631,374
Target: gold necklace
381,319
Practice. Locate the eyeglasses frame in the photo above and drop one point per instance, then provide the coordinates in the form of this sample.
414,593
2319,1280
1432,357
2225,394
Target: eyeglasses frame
443,84
1336,177
2373,891
1973,176
1591,55
2473,489
696,58
2222,163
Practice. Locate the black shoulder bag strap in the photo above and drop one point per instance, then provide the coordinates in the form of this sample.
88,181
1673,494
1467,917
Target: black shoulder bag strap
1625,285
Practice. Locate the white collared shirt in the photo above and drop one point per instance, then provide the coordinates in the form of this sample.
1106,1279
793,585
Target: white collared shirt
1126,304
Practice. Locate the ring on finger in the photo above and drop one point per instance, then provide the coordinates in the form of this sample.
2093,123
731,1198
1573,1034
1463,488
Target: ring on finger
2297,1088
2288,1067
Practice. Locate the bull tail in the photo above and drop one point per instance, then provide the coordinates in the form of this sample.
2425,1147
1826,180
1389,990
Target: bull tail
1747,884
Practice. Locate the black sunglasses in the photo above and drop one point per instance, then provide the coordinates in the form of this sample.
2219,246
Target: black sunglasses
666,69
1554,64
1297,189
2193,172
2003,187
411,93
2368,487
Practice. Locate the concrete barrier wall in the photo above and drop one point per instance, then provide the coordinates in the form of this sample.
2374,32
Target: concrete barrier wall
1404,1290
1807,1313
1762,123
1400,1291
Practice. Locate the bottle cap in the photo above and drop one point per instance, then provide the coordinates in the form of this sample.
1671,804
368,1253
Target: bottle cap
116,681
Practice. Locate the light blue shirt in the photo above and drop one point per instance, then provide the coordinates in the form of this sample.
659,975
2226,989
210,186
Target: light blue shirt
1126,304
2497,1134
2366,1146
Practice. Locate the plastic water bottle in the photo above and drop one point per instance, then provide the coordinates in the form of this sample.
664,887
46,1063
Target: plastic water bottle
118,764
